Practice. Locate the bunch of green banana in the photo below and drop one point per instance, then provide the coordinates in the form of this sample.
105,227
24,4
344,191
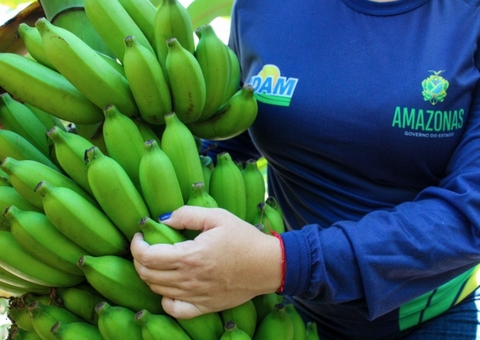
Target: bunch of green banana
159,326
227,187
116,278
115,192
158,180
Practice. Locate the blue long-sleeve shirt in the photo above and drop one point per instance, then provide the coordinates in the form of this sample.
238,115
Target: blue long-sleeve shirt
369,117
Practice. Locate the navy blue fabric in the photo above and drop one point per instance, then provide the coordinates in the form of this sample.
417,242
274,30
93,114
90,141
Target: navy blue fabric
379,183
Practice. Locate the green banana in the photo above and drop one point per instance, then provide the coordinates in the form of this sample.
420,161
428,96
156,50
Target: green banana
75,330
69,151
20,263
85,69
147,80
299,325
117,322
311,331
39,237
172,20
276,325
187,84
232,332
158,233
159,326
45,316
93,133
33,43
47,89
270,218
160,186
227,187
116,278
244,316
207,167
272,201
213,57
113,24
80,221
179,145
26,174
254,189
207,326
143,12
231,119
46,118
10,196
265,303
21,334
201,198
147,130
124,141
15,146
235,74
18,314
115,192
13,281
80,302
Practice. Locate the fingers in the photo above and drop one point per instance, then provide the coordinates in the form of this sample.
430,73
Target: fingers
196,218
157,256
180,309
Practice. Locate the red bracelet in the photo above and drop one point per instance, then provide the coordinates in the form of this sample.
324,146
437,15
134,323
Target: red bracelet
283,264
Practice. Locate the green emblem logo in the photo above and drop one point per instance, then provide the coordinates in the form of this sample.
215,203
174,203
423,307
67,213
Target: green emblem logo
435,88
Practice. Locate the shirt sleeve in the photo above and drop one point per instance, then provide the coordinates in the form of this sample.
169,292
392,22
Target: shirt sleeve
390,257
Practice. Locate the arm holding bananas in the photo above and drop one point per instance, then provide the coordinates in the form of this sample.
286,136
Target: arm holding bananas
229,263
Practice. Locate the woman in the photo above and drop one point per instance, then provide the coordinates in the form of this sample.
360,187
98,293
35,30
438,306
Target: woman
369,117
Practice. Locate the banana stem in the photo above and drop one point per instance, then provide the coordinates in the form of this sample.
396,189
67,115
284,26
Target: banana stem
52,8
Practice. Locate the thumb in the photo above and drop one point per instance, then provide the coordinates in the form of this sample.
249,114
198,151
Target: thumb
180,309
195,218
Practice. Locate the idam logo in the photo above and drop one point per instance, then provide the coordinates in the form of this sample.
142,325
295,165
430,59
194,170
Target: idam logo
272,88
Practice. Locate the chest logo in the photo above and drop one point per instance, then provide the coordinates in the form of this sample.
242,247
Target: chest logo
435,88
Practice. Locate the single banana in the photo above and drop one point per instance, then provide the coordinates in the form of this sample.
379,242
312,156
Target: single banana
75,330
254,189
18,314
273,202
80,221
213,57
10,196
143,12
172,20
244,316
311,331
20,334
116,278
45,316
276,325
46,118
201,198
15,146
187,84
207,326
299,325
231,119
227,187
158,233
265,304
160,186
159,326
117,322
232,332
147,80
80,302
235,74
85,69
41,239
115,192
17,117
69,151
26,174
270,218
47,89
20,263
124,141
207,167
179,145
33,43
113,24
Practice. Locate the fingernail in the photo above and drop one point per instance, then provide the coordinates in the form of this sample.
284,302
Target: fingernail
165,216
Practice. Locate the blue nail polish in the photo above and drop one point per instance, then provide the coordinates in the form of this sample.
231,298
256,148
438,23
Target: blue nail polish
164,217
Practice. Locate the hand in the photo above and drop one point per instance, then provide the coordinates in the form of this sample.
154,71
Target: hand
227,264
